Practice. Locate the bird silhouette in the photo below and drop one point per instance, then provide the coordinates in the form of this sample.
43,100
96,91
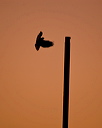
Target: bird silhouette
41,42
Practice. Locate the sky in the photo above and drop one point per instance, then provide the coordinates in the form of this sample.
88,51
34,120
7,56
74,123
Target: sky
31,82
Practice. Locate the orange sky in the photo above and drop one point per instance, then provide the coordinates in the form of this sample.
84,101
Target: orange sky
31,82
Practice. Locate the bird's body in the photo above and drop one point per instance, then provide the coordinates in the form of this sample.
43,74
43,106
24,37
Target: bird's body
41,42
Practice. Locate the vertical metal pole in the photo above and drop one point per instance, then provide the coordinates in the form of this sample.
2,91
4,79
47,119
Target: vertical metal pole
66,82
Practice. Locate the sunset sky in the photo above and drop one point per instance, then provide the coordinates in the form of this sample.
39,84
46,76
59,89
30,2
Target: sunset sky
31,82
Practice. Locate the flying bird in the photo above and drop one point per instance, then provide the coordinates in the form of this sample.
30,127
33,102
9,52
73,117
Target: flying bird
41,42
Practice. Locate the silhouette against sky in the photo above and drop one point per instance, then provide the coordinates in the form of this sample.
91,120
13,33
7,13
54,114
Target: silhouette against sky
41,42
31,82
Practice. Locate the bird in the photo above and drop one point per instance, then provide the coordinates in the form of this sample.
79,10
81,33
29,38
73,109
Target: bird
41,42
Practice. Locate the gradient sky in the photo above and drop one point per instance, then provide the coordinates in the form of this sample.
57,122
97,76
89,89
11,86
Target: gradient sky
31,82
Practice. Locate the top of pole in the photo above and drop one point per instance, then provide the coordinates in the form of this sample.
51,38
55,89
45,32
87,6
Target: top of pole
67,38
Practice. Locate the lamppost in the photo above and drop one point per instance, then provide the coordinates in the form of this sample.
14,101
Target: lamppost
66,82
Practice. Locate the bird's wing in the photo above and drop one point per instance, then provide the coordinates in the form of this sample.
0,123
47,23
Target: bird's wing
37,47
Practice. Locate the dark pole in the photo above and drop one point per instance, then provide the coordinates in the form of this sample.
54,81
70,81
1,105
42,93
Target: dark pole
66,82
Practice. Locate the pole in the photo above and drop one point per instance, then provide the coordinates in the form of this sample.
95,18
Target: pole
66,82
